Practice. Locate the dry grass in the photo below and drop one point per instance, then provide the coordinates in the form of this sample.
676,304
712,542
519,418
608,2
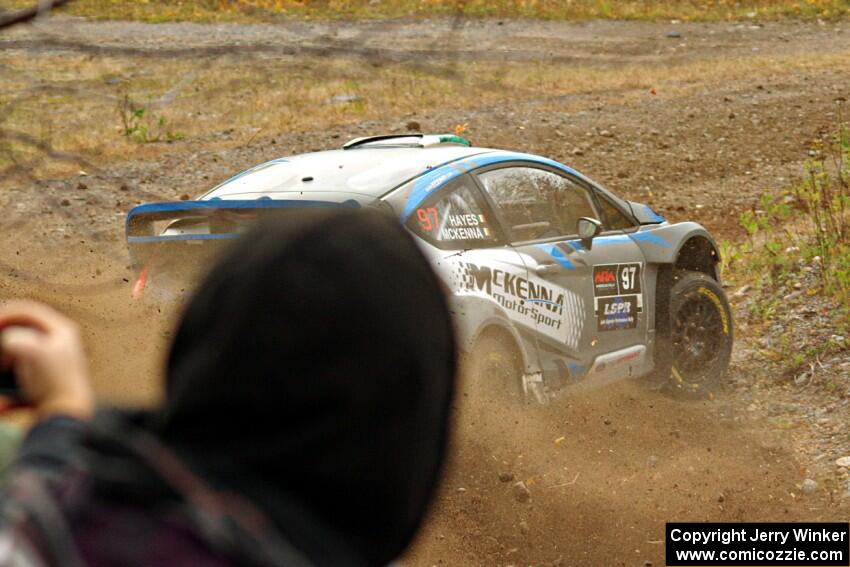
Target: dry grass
229,102
265,10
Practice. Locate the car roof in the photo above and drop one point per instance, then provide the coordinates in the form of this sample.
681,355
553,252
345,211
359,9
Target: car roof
367,170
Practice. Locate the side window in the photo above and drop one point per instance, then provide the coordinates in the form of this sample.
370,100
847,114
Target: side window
615,219
456,217
535,203
572,201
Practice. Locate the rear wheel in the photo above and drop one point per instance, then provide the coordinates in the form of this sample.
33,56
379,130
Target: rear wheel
495,370
694,358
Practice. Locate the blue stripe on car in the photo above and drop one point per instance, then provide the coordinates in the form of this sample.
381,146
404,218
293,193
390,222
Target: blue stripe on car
655,217
576,244
651,238
537,300
425,185
558,255
433,180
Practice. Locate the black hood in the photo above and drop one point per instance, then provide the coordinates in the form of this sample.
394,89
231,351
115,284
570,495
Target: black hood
313,371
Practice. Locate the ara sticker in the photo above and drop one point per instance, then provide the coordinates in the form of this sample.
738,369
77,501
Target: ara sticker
616,279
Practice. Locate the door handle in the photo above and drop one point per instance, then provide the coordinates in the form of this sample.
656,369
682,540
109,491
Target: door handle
547,269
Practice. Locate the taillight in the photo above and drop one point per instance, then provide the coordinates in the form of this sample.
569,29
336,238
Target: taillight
139,286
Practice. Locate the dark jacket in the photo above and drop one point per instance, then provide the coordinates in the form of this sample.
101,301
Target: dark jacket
109,493
305,419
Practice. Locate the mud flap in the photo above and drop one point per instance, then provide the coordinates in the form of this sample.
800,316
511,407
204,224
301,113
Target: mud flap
533,388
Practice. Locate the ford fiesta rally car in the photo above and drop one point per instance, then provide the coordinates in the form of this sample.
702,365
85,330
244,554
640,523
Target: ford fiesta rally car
554,280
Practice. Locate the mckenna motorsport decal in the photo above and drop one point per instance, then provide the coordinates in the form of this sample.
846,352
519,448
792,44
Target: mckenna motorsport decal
555,312
617,296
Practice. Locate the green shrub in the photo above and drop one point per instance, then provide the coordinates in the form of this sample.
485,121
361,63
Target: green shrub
138,124
825,196
809,220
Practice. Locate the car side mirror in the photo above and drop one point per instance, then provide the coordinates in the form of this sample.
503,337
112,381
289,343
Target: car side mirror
588,228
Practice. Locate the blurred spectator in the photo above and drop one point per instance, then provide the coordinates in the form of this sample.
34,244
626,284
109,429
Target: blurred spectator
304,422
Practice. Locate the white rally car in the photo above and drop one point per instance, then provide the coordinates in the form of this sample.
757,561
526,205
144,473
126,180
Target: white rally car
554,280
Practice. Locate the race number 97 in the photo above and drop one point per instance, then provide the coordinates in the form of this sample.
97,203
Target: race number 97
427,218
629,278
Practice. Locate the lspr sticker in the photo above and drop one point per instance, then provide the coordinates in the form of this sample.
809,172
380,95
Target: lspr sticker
617,313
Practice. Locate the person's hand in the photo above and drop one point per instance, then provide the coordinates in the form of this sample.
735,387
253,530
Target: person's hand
46,351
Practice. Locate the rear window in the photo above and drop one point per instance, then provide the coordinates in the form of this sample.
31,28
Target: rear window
456,218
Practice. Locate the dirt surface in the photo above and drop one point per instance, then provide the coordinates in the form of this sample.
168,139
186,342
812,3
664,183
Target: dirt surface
604,469
594,42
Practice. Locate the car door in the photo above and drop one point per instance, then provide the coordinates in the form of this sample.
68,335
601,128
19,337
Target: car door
588,296
474,258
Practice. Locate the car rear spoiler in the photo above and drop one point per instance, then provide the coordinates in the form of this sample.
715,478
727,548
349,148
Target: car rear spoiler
166,236
139,226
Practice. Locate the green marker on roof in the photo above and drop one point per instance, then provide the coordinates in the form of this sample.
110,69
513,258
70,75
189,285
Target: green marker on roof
453,139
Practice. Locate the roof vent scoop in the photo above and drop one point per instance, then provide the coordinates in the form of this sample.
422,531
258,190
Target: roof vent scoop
406,141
